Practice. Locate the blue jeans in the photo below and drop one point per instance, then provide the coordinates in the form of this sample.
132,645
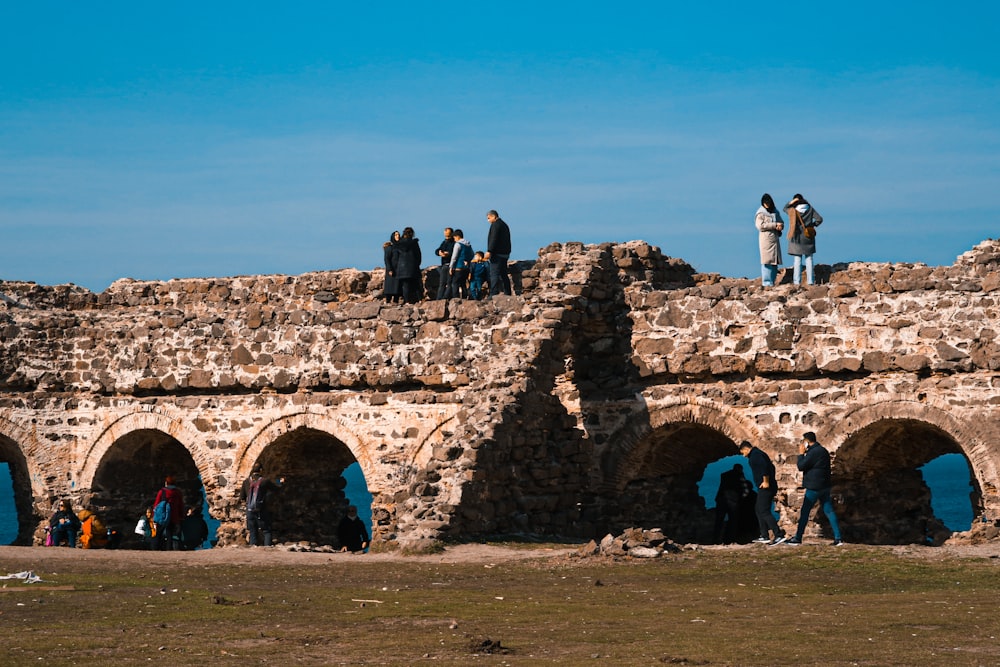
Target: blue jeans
823,496
61,532
797,276
499,275
768,274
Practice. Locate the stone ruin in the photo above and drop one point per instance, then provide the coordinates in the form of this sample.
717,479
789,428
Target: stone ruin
589,403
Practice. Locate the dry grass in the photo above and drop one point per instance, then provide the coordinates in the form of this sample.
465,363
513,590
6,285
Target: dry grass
744,606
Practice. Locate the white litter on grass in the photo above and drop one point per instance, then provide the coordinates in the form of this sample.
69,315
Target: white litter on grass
27,577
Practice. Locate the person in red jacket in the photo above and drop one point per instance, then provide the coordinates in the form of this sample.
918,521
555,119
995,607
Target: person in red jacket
165,531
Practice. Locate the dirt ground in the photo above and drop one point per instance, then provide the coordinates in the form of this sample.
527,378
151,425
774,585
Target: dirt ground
473,553
502,604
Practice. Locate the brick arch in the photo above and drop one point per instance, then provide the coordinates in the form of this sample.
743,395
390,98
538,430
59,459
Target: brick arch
24,443
144,420
972,437
629,451
340,429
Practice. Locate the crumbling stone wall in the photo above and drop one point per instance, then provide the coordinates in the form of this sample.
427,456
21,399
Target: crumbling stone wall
589,403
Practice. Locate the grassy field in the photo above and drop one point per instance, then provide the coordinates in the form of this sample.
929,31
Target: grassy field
742,606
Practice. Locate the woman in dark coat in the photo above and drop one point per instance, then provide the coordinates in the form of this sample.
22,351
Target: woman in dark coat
391,290
406,266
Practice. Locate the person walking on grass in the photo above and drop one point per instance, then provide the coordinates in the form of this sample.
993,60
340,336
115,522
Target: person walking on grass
814,462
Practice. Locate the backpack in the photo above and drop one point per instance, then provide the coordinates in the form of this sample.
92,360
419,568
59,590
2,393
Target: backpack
93,532
161,513
255,501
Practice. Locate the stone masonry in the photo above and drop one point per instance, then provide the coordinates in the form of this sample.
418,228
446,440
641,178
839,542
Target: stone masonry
587,404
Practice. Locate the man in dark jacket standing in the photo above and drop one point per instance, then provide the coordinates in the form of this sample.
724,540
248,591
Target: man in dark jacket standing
814,462
444,271
498,253
256,491
762,470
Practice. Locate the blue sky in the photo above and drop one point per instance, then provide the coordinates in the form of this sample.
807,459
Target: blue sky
155,142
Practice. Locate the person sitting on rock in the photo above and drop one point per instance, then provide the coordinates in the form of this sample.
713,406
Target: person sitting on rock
64,525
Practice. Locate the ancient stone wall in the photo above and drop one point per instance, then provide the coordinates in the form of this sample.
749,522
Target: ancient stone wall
590,402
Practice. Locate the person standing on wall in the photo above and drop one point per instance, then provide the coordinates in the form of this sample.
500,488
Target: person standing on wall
762,471
256,491
168,518
769,225
391,291
498,254
814,462
803,220
461,260
406,260
444,251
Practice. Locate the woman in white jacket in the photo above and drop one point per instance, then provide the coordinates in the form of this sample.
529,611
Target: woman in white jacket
769,225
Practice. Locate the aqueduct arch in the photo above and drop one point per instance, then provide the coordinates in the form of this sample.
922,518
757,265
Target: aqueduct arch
660,466
448,407
21,481
176,429
882,493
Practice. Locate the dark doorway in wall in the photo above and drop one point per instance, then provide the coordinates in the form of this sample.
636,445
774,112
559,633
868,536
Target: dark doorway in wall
881,495
131,473
663,474
314,497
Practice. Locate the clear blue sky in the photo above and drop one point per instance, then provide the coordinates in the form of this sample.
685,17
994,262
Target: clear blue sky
213,139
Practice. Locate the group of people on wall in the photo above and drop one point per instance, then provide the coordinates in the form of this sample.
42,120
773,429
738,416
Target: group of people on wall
463,273
803,220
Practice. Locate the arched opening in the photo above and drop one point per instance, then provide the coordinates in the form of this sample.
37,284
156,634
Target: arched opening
316,492
130,474
16,517
883,497
662,483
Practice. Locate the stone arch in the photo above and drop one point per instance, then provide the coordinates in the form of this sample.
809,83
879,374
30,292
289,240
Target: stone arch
122,470
143,420
311,451
339,429
654,482
633,442
15,451
877,452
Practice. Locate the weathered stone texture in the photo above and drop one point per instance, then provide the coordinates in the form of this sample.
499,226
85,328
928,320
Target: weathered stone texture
590,402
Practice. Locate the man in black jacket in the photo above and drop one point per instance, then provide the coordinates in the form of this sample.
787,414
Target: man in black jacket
814,462
762,470
444,271
497,254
